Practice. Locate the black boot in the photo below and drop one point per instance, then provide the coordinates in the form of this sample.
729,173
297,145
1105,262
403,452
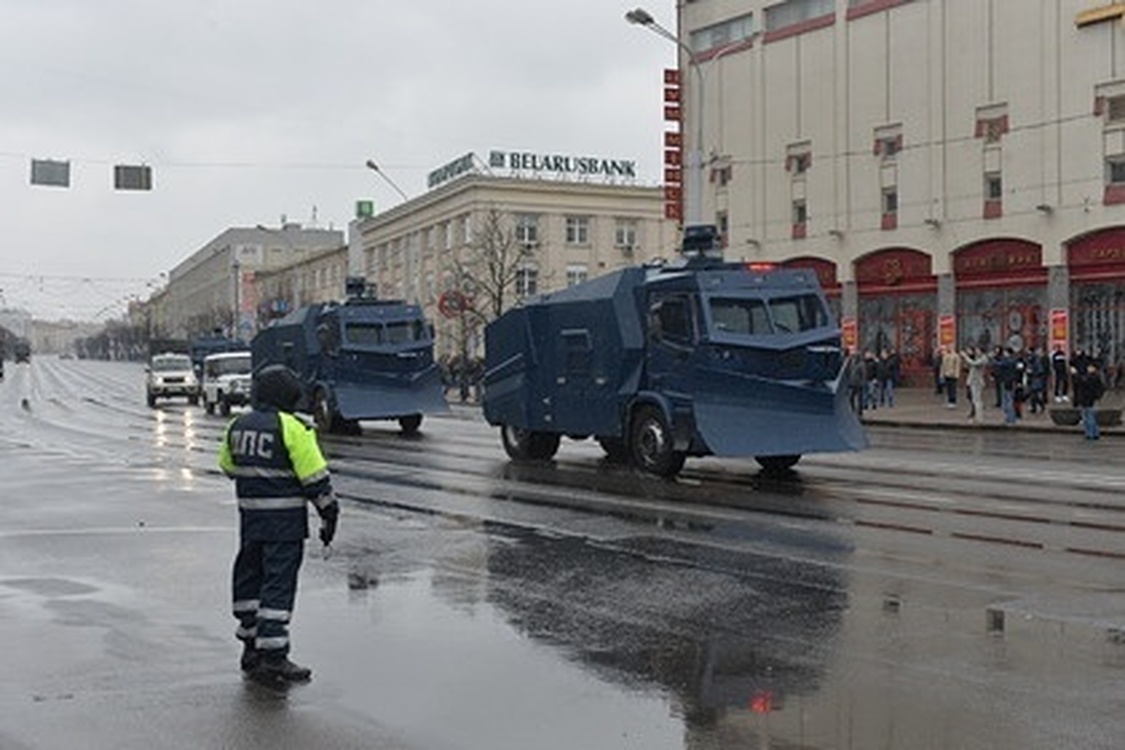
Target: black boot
278,669
249,660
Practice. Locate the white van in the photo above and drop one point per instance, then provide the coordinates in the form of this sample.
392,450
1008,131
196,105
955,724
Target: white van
226,381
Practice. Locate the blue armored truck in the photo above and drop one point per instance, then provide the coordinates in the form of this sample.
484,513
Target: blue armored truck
661,363
363,359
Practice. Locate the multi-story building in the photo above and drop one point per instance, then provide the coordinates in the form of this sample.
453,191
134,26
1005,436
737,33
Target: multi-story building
953,169
537,234
213,289
320,276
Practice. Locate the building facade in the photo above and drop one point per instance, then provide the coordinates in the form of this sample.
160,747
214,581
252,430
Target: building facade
953,169
319,276
546,234
214,288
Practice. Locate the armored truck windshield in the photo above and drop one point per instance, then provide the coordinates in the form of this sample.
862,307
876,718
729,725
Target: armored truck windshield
754,316
380,334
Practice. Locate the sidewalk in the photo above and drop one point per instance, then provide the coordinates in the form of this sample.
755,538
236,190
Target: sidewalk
921,407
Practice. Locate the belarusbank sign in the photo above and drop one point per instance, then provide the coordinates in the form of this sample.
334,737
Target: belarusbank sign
525,162
522,161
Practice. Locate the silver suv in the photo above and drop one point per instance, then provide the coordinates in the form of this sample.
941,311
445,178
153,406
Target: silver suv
171,375
226,381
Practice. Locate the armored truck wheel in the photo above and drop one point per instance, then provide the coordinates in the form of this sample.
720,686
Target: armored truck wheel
224,406
651,444
776,464
525,445
410,424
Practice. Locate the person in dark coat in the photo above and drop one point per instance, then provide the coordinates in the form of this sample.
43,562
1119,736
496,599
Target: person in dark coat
1088,390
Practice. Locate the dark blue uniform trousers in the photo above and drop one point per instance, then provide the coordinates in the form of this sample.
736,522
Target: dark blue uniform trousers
265,588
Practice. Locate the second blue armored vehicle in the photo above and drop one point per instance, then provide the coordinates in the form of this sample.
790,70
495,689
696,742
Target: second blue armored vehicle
661,363
363,359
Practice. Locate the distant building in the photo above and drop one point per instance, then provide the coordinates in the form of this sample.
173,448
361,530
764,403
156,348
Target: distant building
319,276
214,289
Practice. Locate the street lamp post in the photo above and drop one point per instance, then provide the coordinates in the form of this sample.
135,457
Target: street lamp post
375,168
694,208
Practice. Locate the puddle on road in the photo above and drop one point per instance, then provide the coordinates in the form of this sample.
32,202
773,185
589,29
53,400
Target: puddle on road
456,674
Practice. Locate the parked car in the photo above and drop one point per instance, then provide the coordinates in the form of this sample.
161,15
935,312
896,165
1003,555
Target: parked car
169,376
226,381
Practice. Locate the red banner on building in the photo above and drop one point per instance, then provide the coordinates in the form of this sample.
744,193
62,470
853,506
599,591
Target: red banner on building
1060,329
850,330
947,330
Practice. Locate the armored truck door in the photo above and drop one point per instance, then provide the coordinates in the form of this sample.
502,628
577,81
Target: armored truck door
671,350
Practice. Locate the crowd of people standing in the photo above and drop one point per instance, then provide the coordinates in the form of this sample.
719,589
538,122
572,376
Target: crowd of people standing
1024,380
1017,383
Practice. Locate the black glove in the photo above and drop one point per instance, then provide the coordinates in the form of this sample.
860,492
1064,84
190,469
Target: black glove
329,515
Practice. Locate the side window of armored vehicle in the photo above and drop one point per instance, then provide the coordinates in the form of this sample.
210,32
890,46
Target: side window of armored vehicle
744,317
211,369
674,320
795,314
576,350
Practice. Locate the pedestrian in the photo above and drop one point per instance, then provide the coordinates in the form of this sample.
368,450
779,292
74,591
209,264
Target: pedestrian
276,464
871,378
1007,374
888,373
1088,390
977,362
1038,372
857,382
1059,371
950,374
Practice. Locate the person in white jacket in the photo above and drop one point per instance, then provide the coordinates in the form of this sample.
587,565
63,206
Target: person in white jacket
976,361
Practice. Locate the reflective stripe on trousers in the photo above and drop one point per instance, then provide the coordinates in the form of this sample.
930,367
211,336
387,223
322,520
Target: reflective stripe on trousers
265,575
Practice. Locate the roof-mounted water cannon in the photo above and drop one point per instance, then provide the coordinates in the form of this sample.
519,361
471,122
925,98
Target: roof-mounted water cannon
702,241
355,287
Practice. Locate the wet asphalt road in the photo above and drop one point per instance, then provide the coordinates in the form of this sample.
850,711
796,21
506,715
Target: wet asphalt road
942,590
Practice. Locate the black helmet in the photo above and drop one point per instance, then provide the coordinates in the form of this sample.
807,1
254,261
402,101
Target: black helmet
276,386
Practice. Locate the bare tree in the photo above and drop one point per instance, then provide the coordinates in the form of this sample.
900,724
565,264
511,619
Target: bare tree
487,270
484,277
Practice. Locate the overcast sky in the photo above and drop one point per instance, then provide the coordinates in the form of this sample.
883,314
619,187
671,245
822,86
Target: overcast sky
248,110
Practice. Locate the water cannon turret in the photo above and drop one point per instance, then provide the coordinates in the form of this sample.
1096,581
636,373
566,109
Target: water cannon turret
702,241
355,287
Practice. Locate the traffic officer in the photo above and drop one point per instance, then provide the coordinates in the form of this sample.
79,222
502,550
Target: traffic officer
277,468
